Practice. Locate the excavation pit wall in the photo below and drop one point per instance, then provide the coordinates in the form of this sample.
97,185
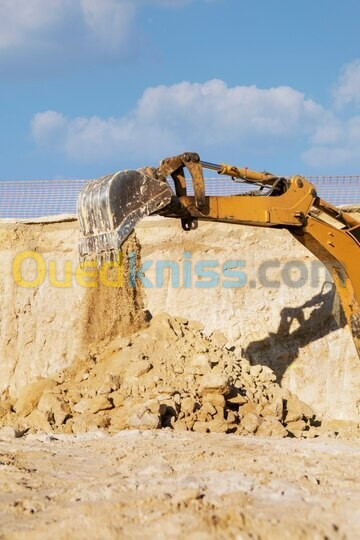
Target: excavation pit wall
298,331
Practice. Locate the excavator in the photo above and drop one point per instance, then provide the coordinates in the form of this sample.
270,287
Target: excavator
111,206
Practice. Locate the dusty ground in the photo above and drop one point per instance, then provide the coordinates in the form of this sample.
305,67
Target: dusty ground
99,367
161,484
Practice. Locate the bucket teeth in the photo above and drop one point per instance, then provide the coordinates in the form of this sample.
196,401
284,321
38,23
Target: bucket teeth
110,207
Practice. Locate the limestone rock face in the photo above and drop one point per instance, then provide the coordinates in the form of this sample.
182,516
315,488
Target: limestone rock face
45,328
295,332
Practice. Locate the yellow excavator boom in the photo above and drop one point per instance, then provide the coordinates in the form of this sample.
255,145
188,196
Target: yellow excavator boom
110,207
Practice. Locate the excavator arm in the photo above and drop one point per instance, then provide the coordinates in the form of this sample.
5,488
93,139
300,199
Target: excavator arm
110,207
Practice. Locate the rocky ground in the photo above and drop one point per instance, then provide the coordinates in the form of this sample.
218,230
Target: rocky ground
168,374
165,484
171,433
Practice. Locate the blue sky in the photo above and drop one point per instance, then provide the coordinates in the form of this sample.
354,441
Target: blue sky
92,86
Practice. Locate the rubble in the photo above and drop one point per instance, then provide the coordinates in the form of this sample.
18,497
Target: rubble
167,375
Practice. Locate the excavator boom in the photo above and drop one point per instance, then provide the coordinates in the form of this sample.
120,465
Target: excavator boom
109,209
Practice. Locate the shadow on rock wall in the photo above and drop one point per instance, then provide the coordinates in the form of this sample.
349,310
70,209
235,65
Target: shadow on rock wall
279,350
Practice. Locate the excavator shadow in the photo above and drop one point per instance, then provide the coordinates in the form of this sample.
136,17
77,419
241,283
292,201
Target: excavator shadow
279,350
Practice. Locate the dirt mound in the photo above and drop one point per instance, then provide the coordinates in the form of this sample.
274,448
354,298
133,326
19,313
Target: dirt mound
297,332
169,374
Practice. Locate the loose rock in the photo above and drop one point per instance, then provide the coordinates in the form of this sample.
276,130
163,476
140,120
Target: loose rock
170,374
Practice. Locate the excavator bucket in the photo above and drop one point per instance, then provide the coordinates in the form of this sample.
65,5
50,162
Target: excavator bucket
110,207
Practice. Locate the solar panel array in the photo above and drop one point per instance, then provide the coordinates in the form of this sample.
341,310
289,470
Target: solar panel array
23,199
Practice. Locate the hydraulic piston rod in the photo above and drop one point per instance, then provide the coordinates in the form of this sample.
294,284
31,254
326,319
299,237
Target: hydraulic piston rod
236,172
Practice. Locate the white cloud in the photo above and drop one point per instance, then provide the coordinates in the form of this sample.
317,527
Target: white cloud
336,141
210,117
347,90
17,18
169,119
23,23
40,35
337,147
109,21
49,129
